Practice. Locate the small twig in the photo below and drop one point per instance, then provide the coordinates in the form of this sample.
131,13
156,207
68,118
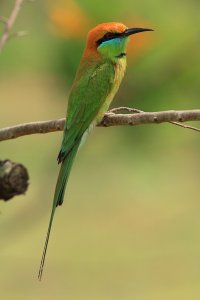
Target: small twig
20,33
186,126
110,119
123,108
9,23
3,19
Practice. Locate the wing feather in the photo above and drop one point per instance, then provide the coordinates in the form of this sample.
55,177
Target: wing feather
87,96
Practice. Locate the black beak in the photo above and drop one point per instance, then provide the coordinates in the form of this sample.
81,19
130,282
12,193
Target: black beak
131,31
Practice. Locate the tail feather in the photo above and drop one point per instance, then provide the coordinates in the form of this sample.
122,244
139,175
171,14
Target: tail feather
58,197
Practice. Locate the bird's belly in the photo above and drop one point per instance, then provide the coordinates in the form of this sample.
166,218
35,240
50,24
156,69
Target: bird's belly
86,133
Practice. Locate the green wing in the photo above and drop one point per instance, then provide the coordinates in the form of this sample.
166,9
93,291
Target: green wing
87,96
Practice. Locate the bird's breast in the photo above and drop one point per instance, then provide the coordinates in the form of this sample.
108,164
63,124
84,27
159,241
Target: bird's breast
120,68
119,71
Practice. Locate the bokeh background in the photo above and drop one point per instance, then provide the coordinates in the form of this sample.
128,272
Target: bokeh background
130,224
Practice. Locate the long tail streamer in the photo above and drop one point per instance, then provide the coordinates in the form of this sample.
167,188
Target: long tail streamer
58,198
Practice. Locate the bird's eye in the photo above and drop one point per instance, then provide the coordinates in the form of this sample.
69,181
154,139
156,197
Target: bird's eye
108,35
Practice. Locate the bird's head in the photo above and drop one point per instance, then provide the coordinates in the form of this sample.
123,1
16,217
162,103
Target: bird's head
109,40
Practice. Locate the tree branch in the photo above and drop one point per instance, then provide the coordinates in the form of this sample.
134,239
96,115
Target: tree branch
110,119
172,122
9,22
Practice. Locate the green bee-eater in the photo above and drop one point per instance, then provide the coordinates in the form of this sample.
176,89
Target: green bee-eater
98,78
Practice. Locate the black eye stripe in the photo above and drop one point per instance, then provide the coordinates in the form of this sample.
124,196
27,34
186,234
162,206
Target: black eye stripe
109,36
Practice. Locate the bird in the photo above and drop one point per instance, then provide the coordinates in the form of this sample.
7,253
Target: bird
97,80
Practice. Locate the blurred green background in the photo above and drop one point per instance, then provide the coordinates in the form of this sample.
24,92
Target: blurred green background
129,226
